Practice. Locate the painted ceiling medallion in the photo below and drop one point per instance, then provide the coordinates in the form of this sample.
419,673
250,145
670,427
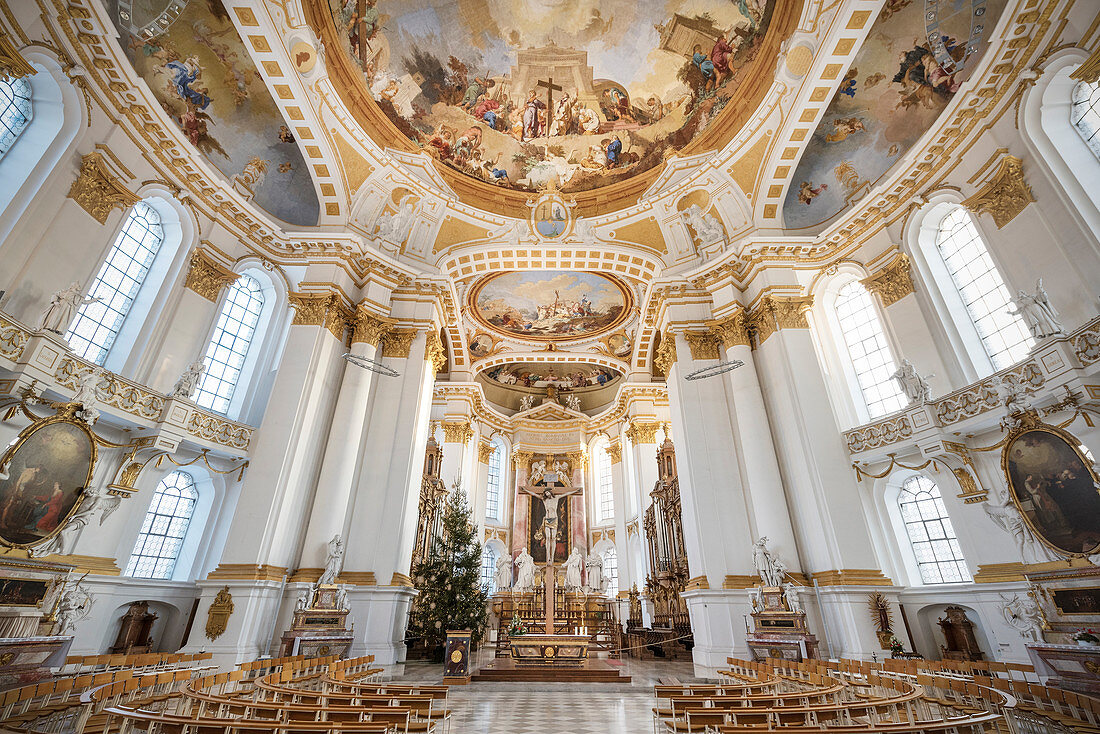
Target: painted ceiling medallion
550,305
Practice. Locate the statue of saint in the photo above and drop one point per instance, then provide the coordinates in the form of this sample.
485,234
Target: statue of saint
525,572
189,380
63,307
1038,312
334,563
594,566
503,576
915,387
768,565
573,566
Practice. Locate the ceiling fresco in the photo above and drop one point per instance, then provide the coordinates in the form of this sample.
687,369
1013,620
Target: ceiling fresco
506,385
550,305
891,94
581,93
204,78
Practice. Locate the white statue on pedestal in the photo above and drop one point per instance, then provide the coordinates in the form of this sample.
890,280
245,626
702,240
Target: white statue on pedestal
790,593
770,567
189,380
334,563
503,576
915,387
1023,615
63,307
525,572
573,402
526,403
707,227
573,567
87,394
594,567
304,599
1037,312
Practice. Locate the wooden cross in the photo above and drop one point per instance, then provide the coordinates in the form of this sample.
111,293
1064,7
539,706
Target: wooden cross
551,87
364,44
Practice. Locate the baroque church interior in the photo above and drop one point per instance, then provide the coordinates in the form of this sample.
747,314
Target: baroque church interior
625,366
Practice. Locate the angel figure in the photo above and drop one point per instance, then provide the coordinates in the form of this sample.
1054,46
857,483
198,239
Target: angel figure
87,394
74,604
562,469
573,402
707,227
538,469
1023,615
1008,518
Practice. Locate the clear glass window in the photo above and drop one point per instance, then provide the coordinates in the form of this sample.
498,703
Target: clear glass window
930,533
1085,114
161,538
867,348
611,572
606,490
116,285
988,303
229,346
493,489
488,569
15,111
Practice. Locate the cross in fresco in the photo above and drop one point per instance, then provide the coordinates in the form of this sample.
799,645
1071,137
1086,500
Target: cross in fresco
550,87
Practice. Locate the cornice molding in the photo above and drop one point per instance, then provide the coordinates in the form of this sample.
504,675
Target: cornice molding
1005,193
207,277
894,282
98,190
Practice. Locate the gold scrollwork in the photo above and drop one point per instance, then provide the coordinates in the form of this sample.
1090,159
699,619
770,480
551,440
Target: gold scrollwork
434,352
321,309
666,353
614,452
207,277
1005,194
733,331
12,63
642,432
892,283
217,617
457,432
779,312
484,451
97,190
398,343
703,344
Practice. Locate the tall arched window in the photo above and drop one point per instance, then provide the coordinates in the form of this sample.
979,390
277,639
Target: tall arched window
15,111
495,481
606,491
867,348
488,569
228,347
611,572
1085,114
161,538
117,283
1003,334
930,533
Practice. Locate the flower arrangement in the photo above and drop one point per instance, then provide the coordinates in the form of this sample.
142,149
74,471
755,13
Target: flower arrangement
1086,636
896,648
516,627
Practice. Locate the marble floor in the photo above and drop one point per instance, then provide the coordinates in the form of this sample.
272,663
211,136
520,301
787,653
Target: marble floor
556,708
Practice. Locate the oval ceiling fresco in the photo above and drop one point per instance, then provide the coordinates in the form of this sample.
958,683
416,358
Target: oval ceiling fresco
584,93
550,305
507,385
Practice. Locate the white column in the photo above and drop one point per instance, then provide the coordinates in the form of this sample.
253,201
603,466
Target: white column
642,435
457,453
627,575
478,491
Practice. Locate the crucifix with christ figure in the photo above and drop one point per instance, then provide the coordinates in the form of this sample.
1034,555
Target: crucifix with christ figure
550,498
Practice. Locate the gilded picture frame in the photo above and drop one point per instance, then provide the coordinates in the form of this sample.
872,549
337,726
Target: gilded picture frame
1054,487
43,475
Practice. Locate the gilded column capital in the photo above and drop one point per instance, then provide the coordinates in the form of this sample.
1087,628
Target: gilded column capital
368,327
207,277
779,312
397,342
666,353
12,63
642,432
577,457
733,331
892,283
615,452
522,458
703,344
457,431
434,351
321,309
1005,194
484,451
1089,70
97,190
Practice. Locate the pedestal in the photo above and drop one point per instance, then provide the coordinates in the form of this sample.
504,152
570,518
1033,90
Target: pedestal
778,630
1072,667
456,663
319,626
24,660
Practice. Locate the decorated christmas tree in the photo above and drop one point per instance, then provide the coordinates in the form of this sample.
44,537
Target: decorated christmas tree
448,579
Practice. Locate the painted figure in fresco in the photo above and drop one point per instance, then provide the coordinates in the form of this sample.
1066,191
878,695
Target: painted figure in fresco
706,66
184,74
720,57
613,151
531,111
807,193
845,126
588,120
848,86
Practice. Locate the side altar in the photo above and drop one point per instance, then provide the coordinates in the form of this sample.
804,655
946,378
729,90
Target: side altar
779,622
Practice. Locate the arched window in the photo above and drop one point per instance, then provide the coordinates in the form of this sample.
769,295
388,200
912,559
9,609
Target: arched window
606,492
611,572
1003,334
228,347
117,283
930,533
495,482
867,348
161,538
1085,114
15,111
488,569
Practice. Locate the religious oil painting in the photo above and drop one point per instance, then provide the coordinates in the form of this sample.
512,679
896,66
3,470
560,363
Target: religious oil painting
22,592
1055,489
524,93
200,72
42,477
889,97
550,304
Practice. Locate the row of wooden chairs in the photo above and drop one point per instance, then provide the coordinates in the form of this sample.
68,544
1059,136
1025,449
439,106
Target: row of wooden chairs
77,664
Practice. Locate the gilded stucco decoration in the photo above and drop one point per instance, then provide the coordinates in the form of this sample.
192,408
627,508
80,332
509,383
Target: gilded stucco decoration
434,352
12,63
1089,71
615,452
457,432
666,353
97,189
779,312
892,283
642,432
733,331
369,328
207,277
398,343
321,309
522,459
484,451
1005,194
703,344
217,617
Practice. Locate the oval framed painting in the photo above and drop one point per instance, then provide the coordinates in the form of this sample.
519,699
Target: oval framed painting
42,479
550,305
1055,488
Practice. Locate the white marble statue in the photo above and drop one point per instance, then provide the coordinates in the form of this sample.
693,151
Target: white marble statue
770,567
63,307
74,604
526,402
573,402
87,394
574,565
1023,615
525,572
303,600
538,469
1003,512
562,469
503,576
707,227
334,563
395,227
1015,396
342,597
594,569
915,387
1037,312
189,380
790,593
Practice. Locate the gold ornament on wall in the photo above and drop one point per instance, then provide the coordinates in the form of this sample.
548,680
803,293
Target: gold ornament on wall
666,353
398,342
703,344
97,190
892,283
733,331
434,352
457,431
12,63
642,432
217,617
321,309
779,312
484,451
1005,194
368,327
207,277
615,452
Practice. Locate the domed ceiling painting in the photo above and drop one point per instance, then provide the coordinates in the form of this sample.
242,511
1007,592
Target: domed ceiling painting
548,305
522,92
592,385
890,96
205,80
